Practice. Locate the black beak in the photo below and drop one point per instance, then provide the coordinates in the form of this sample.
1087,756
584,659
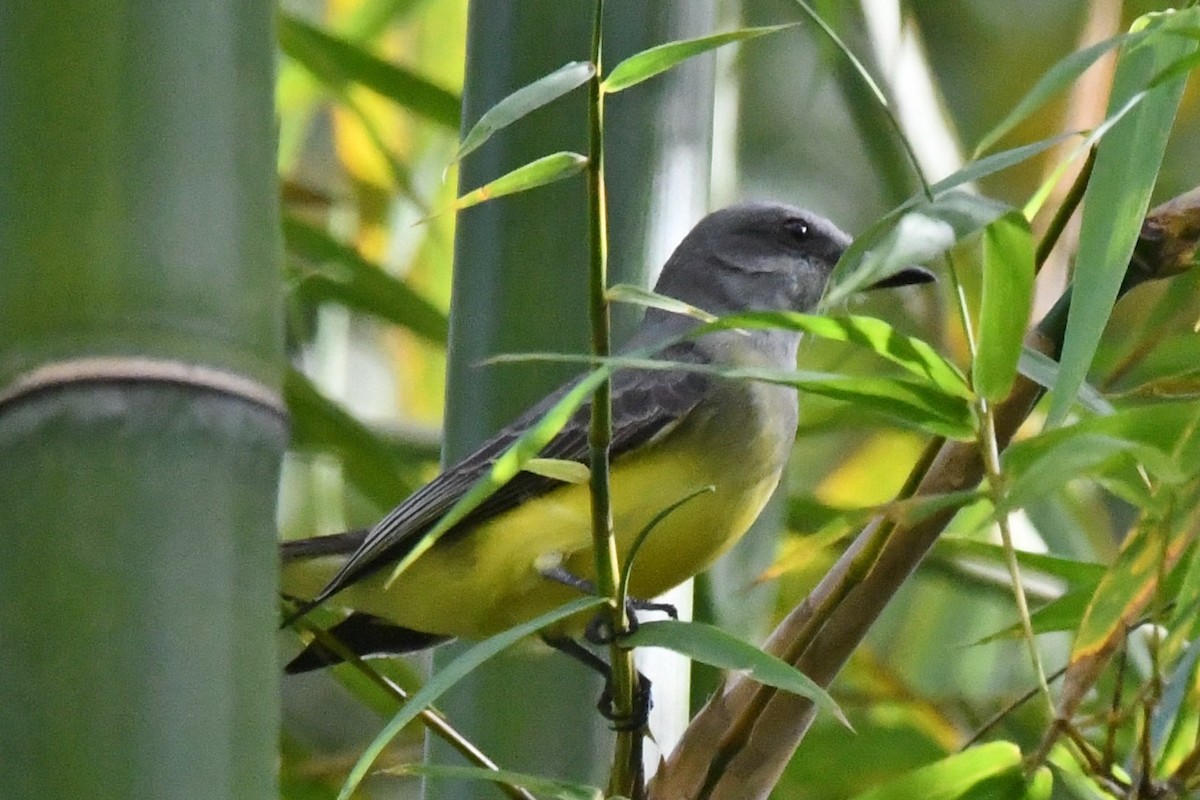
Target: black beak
909,276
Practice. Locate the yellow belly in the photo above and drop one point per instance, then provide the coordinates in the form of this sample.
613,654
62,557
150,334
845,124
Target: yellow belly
483,580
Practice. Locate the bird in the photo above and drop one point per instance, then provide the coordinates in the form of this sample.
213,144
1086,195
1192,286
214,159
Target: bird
677,433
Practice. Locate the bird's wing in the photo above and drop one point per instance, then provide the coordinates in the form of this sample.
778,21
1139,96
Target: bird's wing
644,403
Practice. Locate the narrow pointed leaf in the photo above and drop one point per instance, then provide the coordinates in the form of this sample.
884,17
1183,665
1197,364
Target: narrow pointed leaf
504,467
636,295
957,775
524,100
1118,194
912,353
451,674
337,273
648,63
559,469
1131,584
916,404
713,646
1043,370
548,169
1006,304
336,62
1053,81
922,233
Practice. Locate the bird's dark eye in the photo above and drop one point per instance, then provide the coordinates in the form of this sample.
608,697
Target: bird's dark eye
798,228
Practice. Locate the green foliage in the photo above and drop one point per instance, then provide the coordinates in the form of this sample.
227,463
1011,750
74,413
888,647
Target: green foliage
1105,475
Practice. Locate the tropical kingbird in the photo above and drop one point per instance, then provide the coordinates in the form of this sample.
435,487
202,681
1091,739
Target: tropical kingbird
674,432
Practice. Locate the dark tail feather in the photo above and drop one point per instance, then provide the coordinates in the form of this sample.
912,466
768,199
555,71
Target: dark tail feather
366,636
335,544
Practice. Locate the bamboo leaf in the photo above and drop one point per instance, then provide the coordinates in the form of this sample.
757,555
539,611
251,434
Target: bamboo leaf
1043,370
1131,583
504,467
523,101
1118,194
916,404
337,273
636,295
451,674
958,775
336,62
1006,304
548,169
909,352
648,63
713,646
559,469
922,233
1053,81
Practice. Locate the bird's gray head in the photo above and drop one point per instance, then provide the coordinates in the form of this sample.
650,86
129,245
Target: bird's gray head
754,257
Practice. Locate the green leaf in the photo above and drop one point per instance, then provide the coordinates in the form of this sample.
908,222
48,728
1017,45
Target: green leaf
335,272
451,674
636,295
544,787
1118,194
997,162
1152,434
957,776
559,469
1061,614
336,62
524,100
913,354
648,63
1072,570
915,404
546,169
1043,370
506,465
1053,81
713,646
1006,304
922,233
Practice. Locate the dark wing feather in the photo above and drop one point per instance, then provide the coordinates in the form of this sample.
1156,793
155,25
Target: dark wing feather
644,403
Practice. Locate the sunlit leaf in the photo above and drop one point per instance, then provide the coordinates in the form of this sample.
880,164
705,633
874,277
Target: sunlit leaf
523,101
336,62
547,169
1118,194
984,766
917,404
913,354
448,676
648,63
713,646
559,469
1006,304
